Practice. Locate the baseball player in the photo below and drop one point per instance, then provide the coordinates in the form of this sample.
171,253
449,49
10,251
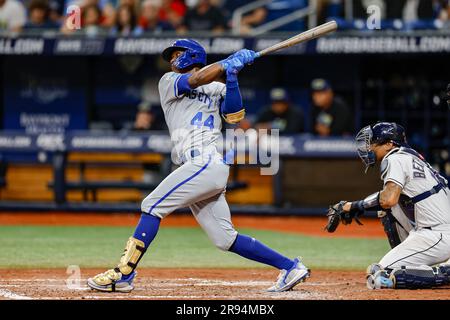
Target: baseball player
193,100
416,204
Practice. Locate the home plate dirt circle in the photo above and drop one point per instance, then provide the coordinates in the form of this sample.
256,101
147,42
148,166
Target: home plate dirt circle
201,284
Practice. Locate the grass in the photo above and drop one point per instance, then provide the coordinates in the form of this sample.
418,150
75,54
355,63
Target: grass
61,246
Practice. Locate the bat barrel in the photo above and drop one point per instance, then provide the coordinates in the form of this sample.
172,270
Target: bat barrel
313,33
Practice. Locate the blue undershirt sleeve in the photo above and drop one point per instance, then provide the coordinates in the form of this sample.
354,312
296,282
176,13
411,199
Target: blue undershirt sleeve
233,100
181,85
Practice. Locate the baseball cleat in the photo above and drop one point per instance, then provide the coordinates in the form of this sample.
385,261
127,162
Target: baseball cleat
288,279
112,281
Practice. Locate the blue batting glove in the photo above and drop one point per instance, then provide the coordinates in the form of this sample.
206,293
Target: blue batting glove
234,66
236,63
247,56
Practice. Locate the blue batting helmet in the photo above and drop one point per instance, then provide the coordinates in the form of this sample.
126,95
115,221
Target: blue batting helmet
378,133
194,53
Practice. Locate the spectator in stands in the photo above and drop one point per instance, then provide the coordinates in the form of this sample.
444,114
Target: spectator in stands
280,8
12,16
330,115
400,13
147,119
172,12
91,18
281,114
38,12
203,17
126,22
91,22
149,19
444,14
107,9
253,19
250,19
56,11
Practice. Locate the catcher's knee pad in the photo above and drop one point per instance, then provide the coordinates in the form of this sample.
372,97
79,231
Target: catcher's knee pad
373,268
380,280
420,277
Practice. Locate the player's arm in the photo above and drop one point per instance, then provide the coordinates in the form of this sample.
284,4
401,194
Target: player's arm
231,107
213,72
390,195
384,199
208,74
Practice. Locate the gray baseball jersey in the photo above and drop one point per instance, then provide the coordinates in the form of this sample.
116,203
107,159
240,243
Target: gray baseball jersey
428,242
415,177
199,183
193,118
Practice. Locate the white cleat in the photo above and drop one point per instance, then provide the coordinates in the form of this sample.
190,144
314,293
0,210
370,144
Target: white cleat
112,281
288,279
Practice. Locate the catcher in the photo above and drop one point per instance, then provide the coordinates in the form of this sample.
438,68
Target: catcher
414,206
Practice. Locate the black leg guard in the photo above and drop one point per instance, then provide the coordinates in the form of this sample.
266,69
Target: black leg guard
420,277
444,269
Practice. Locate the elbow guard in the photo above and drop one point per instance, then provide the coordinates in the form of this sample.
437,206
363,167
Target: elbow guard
234,117
371,202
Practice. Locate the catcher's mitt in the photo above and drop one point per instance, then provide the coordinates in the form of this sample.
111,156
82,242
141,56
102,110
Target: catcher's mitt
336,214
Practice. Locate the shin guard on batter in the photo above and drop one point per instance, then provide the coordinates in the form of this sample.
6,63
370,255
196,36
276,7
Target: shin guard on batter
121,277
133,252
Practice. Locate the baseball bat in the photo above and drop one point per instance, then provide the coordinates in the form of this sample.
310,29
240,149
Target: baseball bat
310,34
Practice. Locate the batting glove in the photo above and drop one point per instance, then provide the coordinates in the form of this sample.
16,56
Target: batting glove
234,66
247,56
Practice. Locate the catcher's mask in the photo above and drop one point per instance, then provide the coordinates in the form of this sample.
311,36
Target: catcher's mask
379,133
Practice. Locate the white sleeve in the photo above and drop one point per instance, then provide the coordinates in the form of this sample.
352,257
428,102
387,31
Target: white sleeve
396,171
168,87
221,89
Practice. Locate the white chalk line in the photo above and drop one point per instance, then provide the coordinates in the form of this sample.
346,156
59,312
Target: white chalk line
13,296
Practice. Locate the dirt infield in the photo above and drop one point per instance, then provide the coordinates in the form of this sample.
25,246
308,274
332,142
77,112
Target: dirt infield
203,284
305,225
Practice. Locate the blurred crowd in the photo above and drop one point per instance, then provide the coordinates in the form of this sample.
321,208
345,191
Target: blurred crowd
135,17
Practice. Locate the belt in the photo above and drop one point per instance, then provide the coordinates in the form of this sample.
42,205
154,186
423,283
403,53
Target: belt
191,153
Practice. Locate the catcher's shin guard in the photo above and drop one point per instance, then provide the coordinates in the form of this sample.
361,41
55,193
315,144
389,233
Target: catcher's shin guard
420,277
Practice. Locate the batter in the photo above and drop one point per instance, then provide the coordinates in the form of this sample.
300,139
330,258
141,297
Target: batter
193,100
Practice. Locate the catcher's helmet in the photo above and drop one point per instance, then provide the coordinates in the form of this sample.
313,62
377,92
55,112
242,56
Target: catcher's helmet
194,54
378,133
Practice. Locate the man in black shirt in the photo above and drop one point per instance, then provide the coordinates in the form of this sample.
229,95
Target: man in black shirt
204,17
281,114
330,115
